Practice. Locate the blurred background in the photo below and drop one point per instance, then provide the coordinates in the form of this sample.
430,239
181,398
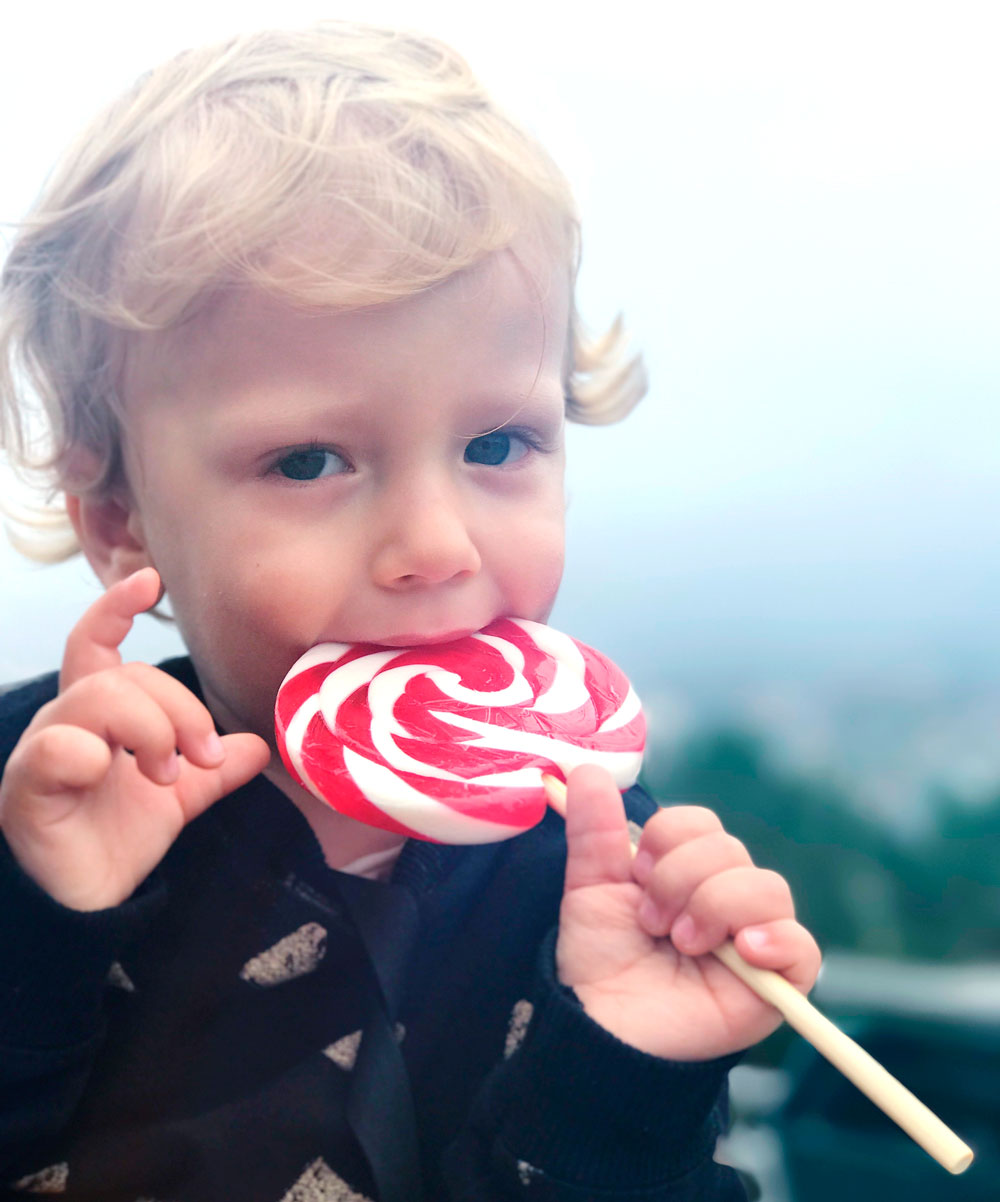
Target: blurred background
791,546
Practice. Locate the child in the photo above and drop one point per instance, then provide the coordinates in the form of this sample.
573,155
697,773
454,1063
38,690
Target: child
299,311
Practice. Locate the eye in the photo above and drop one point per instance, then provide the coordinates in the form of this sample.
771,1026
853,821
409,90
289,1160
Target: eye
310,463
497,448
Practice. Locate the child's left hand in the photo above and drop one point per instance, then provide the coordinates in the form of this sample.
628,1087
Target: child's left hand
669,996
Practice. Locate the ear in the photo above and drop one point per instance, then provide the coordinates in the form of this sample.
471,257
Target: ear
111,536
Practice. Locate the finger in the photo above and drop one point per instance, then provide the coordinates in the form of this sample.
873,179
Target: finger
784,946
115,707
244,756
597,839
57,759
194,727
668,828
676,876
724,904
103,702
93,642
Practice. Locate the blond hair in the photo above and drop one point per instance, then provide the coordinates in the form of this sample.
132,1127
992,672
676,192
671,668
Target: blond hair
337,166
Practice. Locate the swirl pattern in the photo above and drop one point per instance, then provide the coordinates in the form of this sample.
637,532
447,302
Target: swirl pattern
449,742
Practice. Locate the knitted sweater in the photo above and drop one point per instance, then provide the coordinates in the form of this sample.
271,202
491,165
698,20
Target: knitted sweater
252,1026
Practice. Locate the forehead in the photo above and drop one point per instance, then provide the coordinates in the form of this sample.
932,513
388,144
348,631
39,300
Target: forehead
508,314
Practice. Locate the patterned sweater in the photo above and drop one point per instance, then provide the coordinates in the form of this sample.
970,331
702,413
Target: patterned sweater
252,1026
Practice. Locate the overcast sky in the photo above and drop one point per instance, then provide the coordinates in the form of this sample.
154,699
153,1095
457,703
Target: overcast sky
796,207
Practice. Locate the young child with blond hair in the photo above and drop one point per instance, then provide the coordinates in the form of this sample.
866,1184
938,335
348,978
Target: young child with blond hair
296,318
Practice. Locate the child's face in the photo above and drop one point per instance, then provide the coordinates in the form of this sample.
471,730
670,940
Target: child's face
300,478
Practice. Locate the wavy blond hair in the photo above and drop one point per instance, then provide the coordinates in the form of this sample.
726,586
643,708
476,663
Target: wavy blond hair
337,166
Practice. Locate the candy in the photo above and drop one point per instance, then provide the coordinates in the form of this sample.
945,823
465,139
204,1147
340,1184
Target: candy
449,742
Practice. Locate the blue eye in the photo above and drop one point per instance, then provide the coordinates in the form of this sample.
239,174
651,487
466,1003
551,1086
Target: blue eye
311,463
497,448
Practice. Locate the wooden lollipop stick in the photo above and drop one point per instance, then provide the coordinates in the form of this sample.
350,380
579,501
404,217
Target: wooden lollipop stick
920,1123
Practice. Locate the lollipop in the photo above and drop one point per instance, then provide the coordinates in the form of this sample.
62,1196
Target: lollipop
450,742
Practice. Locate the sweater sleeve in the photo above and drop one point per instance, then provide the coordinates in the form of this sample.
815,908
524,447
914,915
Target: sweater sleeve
575,1115
54,965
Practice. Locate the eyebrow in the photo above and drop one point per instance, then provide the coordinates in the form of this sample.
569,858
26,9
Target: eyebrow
499,410
541,397
482,413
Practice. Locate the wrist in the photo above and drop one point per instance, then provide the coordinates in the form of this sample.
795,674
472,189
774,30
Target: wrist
586,1107
54,961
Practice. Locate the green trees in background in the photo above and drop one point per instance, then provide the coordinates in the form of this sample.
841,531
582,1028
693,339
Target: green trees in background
857,886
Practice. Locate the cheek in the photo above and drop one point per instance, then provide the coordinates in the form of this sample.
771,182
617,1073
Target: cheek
240,572
533,566
266,608
235,609
242,640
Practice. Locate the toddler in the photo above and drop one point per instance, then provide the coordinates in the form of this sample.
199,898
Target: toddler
297,317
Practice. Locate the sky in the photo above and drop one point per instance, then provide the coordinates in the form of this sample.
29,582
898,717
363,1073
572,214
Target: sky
794,207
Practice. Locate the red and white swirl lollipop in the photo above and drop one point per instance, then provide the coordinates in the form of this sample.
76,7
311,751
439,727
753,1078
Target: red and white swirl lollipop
449,742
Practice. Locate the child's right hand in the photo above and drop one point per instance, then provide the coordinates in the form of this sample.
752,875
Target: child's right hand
87,819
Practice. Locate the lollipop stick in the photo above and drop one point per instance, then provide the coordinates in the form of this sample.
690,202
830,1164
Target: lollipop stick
920,1123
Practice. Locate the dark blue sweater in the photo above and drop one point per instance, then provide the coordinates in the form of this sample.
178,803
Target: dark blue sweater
252,1026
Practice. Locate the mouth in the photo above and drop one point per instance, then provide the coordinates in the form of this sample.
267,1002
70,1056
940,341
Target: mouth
426,640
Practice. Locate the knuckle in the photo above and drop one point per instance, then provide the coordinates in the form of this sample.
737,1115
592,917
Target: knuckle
35,757
139,678
657,821
810,947
105,686
776,885
677,823
114,684
134,669
168,692
734,849
143,673
696,816
44,746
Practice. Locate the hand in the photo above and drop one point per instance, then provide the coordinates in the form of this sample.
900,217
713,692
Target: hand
689,881
95,791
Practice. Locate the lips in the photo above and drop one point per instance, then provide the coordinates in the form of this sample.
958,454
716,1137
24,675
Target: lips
426,640
410,638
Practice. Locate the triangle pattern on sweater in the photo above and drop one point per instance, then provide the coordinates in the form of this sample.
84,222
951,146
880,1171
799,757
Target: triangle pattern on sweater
319,1183
294,956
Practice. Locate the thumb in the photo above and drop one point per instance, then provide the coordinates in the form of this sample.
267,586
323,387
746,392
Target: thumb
246,756
598,847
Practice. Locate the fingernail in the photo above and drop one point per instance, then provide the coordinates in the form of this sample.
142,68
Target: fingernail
650,917
642,866
683,930
213,747
756,938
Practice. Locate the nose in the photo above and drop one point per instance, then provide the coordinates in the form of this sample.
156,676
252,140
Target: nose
424,540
